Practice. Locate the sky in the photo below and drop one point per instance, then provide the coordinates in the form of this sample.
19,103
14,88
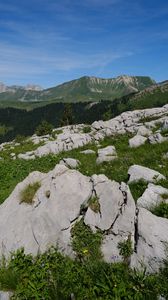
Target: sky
48,42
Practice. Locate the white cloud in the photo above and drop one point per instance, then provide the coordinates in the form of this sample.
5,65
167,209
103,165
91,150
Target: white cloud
22,61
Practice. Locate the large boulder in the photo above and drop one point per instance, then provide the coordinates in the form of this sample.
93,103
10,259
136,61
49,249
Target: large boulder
151,242
48,220
137,172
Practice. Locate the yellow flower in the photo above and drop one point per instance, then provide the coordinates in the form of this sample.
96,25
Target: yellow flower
85,251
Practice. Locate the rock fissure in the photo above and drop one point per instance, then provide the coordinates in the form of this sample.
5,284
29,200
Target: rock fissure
136,234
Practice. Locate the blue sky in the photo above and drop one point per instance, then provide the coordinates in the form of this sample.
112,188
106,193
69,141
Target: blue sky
48,42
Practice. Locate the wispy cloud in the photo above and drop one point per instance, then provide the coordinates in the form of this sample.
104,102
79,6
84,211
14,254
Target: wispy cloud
17,61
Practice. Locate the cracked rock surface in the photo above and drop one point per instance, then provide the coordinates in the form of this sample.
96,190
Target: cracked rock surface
57,206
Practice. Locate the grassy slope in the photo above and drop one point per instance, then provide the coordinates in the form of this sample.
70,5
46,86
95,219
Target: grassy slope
13,171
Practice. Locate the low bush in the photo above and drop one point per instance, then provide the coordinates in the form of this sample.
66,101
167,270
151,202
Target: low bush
86,129
44,128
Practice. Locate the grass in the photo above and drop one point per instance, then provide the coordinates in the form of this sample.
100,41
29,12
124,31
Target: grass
29,192
85,243
137,188
151,156
52,276
94,204
161,210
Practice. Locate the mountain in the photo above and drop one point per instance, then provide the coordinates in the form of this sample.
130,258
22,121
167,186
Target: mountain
82,89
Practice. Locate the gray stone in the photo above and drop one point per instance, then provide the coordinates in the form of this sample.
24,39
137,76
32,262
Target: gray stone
152,196
47,222
5,295
151,241
137,172
142,130
156,138
88,151
137,141
116,215
106,154
70,162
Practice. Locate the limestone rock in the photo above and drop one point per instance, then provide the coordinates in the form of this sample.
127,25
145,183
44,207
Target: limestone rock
137,141
48,220
142,130
137,172
70,162
116,216
152,196
88,151
5,295
156,138
106,154
151,242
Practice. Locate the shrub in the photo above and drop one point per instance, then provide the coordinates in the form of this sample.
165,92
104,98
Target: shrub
28,193
44,128
87,129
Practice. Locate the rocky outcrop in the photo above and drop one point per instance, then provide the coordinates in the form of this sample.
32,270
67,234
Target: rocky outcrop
62,199
71,137
151,241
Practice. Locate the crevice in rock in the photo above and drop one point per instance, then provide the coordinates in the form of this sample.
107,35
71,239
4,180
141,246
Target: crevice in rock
136,234
35,238
94,193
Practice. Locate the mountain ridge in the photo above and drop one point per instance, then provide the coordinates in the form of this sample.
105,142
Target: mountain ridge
83,89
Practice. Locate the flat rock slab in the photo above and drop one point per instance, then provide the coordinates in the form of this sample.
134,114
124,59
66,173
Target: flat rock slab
137,172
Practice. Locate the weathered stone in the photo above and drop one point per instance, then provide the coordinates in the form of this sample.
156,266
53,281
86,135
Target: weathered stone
142,130
137,141
137,172
70,162
5,295
106,154
151,242
48,220
88,151
156,138
152,196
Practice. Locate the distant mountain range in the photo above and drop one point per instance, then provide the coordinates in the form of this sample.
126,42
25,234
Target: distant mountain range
82,89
